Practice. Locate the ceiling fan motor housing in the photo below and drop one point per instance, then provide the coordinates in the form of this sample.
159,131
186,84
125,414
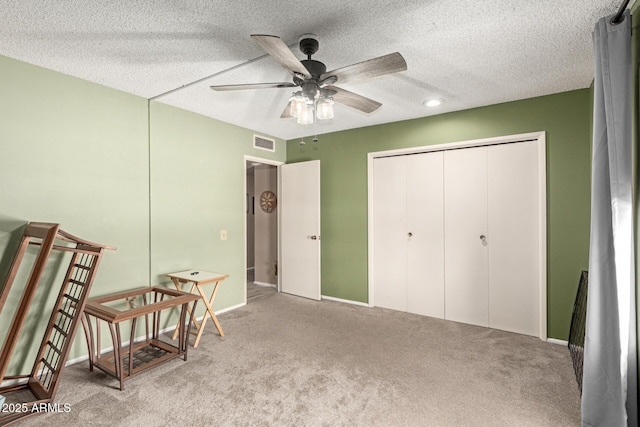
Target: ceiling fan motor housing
311,86
315,68
308,44
309,89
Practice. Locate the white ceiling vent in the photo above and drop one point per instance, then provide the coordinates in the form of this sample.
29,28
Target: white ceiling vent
264,143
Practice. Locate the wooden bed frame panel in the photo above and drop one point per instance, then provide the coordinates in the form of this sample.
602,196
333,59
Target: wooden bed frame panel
43,380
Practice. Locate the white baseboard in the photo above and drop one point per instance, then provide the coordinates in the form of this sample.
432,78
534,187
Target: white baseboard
81,359
345,301
555,341
138,339
8,383
268,285
124,344
224,310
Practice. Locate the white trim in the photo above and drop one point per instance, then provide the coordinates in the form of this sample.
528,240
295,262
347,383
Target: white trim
82,358
267,285
542,205
345,301
138,339
542,236
279,225
224,310
248,158
370,158
7,383
560,342
460,144
276,163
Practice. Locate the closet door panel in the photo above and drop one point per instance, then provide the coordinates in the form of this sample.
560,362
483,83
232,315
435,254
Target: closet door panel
465,222
513,237
425,234
390,235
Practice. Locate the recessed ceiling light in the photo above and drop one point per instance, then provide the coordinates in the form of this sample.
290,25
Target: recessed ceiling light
433,102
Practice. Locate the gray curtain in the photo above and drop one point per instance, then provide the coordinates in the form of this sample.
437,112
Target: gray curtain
609,393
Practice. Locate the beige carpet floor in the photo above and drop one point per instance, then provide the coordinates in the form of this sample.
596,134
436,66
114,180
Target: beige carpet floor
287,361
256,292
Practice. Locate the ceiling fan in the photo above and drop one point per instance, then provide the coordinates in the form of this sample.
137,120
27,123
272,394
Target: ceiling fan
317,91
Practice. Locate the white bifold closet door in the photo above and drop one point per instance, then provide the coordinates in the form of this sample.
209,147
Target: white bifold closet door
491,236
456,235
425,243
390,237
408,239
465,230
513,237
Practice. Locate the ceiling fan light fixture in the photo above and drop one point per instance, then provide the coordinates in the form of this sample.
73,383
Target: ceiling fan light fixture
313,101
324,109
306,115
298,103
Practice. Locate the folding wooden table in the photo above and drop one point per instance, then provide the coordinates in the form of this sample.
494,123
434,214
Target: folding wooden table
199,278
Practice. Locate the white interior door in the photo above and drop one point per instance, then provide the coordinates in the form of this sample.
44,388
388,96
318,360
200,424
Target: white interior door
299,210
425,231
390,233
466,238
513,237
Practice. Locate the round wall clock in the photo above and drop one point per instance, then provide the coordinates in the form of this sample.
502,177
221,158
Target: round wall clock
268,201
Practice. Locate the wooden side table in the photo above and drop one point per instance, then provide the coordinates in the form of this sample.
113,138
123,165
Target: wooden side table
126,361
199,278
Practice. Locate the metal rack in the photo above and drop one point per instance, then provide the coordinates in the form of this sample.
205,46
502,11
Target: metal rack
577,330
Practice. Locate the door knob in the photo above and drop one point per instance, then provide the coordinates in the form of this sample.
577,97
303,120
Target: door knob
483,238
410,234
314,237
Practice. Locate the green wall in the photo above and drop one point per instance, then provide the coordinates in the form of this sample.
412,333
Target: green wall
73,153
154,181
566,119
197,189
159,183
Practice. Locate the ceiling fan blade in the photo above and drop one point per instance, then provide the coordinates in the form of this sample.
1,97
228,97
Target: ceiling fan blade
275,47
253,86
286,113
387,64
354,100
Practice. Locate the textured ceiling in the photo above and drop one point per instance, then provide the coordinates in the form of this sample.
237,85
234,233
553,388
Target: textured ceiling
470,52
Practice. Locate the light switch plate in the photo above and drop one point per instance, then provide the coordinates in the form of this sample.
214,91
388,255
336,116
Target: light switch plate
223,234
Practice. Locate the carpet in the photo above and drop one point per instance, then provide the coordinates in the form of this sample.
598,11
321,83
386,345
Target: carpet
289,361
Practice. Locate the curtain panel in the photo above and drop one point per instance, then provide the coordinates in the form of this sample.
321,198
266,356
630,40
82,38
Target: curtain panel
609,395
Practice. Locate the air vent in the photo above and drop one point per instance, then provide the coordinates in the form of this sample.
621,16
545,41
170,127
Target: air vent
264,143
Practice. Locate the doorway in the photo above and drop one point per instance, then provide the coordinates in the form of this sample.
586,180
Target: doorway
261,230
